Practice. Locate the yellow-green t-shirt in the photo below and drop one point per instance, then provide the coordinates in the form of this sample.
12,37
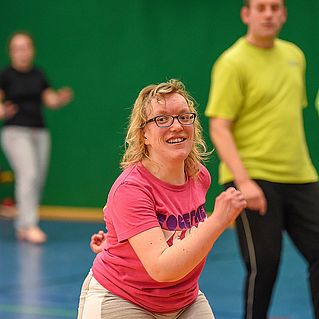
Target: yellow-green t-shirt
262,91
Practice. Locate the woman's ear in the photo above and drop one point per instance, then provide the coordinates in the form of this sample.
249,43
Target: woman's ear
146,142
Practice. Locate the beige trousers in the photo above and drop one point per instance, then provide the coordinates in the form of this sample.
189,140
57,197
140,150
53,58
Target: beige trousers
98,303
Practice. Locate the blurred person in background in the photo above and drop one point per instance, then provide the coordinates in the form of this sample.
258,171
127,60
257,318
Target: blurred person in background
255,108
24,90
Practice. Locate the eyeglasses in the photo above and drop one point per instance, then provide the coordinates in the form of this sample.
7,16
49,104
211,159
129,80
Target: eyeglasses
168,120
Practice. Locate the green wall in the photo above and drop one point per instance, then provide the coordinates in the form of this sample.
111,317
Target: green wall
108,50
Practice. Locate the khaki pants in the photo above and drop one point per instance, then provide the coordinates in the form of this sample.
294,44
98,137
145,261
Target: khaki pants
98,303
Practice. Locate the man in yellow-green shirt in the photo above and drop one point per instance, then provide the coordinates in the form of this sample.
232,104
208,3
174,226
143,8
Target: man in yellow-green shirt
255,108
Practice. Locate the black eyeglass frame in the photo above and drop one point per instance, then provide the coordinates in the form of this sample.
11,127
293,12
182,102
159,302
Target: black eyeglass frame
154,119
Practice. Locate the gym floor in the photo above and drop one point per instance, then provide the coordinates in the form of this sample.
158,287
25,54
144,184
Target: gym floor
45,281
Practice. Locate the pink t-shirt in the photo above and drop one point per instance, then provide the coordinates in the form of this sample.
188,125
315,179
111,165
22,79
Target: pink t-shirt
137,202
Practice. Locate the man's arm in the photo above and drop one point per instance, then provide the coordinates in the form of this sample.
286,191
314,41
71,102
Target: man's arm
222,137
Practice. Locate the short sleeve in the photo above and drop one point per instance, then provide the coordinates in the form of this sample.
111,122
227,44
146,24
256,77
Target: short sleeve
205,177
132,211
44,81
226,91
304,101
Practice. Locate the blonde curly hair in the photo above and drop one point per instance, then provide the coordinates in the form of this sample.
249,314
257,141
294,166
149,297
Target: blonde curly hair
135,148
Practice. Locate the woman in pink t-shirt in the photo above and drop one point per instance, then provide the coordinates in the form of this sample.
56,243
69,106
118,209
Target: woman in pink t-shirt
159,235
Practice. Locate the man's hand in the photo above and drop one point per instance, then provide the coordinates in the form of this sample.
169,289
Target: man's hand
254,196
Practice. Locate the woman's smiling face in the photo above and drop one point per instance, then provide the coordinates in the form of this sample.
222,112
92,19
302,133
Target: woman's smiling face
173,143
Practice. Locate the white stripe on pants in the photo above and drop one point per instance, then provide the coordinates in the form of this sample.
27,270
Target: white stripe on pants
27,150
